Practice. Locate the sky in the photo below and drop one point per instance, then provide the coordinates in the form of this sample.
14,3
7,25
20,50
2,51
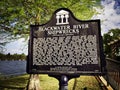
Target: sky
18,46
109,16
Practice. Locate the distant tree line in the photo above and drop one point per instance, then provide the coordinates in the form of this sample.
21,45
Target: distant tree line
12,56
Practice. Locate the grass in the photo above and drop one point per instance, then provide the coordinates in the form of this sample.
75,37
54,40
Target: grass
13,82
88,82
49,83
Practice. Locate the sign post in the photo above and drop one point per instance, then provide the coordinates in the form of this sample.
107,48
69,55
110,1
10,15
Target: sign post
64,83
66,46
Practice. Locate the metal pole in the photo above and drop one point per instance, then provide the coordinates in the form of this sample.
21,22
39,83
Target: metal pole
63,83
63,80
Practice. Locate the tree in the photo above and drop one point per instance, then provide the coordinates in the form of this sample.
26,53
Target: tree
17,15
112,35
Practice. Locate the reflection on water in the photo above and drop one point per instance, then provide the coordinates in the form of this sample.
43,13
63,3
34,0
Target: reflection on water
12,67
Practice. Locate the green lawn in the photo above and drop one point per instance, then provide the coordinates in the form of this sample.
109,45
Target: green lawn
49,83
13,82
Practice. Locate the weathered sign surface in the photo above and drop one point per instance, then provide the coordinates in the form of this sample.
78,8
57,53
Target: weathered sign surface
66,45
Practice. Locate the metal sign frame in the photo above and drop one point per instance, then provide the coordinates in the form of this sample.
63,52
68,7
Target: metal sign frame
66,45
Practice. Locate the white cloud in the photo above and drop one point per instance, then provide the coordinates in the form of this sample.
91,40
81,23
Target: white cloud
109,18
19,46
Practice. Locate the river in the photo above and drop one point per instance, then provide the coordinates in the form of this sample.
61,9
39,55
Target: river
12,67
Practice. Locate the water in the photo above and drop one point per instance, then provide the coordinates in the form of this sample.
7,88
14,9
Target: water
12,67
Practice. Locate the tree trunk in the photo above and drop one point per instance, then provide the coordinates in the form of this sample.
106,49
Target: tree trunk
34,82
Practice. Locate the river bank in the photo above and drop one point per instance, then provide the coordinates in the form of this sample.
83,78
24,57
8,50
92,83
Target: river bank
12,56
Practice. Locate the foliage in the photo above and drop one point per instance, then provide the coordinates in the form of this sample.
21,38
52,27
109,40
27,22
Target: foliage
17,15
112,35
12,57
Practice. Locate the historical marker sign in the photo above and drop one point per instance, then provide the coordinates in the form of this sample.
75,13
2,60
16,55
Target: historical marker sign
66,45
